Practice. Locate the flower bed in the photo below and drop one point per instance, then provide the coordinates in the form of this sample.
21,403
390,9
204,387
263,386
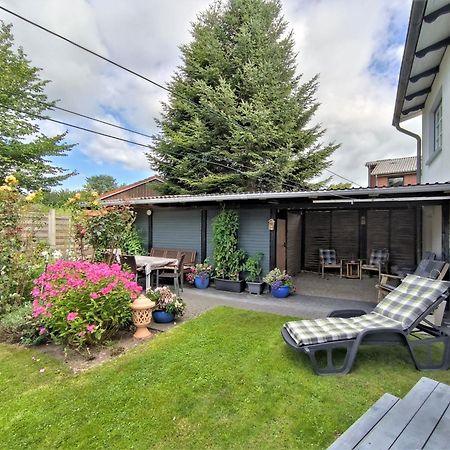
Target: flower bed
78,302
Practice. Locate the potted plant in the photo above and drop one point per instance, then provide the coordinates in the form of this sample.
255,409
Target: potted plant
167,305
202,273
281,284
228,258
253,270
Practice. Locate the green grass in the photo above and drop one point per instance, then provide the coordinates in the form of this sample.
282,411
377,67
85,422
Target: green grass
224,380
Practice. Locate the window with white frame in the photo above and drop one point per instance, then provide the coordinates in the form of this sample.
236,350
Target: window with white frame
438,128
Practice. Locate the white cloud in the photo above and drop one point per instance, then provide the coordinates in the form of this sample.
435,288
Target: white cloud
340,39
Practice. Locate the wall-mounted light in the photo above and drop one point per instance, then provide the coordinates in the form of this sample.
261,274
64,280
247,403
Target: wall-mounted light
149,212
271,224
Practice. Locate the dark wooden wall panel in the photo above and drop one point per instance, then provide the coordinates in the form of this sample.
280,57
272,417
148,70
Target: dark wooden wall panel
345,233
317,235
377,230
403,237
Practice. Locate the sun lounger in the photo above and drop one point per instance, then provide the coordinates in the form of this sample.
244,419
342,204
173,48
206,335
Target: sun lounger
395,320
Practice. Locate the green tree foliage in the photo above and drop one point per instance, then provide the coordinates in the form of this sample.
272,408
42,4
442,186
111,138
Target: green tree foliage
238,103
340,186
24,150
58,198
100,183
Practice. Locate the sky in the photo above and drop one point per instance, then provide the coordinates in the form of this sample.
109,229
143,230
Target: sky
355,46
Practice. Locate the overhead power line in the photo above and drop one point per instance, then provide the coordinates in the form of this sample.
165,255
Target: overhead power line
344,178
38,116
52,107
133,72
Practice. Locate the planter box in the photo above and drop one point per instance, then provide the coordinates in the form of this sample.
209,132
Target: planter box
255,288
229,285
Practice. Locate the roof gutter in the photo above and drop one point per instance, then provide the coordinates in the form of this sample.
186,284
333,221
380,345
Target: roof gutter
415,25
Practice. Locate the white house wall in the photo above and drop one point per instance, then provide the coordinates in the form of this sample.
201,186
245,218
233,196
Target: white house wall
432,230
436,168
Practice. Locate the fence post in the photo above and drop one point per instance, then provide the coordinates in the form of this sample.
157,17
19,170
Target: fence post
52,228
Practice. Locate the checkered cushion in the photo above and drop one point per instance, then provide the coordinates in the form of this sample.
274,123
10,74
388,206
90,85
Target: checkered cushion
410,300
307,332
328,256
398,310
379,257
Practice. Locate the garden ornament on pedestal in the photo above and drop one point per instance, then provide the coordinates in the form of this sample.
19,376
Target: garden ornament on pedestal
142,315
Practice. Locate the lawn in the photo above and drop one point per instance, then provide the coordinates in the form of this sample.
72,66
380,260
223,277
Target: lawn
224,380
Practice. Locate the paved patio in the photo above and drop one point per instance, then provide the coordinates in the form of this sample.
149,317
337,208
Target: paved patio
315,297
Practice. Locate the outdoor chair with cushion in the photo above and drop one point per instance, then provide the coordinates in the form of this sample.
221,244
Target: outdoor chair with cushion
378,262
402,271
399,318
176,273
328,260
428,268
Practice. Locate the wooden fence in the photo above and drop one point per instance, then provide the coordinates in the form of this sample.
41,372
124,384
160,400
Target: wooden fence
52,227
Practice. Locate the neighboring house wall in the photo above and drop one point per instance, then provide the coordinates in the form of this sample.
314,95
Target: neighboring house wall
432,230
144,190
383,180
436,166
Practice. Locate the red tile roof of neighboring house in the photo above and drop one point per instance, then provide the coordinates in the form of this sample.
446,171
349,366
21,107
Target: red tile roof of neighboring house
393,166
130,186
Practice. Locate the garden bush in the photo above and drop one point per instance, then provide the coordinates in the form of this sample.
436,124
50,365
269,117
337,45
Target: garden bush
103,228
80,303
20,252
18,326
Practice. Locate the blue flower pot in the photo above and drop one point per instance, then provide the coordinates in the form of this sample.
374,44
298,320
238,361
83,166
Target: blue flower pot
160,316
201,282
281,292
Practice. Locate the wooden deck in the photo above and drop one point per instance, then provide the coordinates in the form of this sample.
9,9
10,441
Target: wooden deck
420,421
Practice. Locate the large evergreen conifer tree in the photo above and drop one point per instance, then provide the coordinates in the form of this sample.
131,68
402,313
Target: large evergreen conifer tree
238,118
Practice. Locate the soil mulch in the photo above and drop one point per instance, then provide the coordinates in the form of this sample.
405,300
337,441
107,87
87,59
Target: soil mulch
83,359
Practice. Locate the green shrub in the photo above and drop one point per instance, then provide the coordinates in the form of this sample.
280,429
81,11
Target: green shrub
20,259
18,326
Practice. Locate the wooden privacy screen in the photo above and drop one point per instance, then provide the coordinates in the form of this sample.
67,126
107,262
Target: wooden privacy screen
394,229
331,229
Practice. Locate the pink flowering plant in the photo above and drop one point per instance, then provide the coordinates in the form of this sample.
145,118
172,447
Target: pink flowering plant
190,274
167,301
80,303
202,270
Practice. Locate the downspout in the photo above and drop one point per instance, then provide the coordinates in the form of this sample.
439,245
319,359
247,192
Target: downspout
419,150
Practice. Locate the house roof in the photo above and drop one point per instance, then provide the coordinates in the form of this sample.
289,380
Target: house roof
426,41
130,186
393,166
356,194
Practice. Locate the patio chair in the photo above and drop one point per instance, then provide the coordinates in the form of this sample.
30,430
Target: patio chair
378,262
176,273
396,320
328,260
428,268
130,262
402,271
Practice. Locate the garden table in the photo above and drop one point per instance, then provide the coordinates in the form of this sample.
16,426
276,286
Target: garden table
421,420
150,263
